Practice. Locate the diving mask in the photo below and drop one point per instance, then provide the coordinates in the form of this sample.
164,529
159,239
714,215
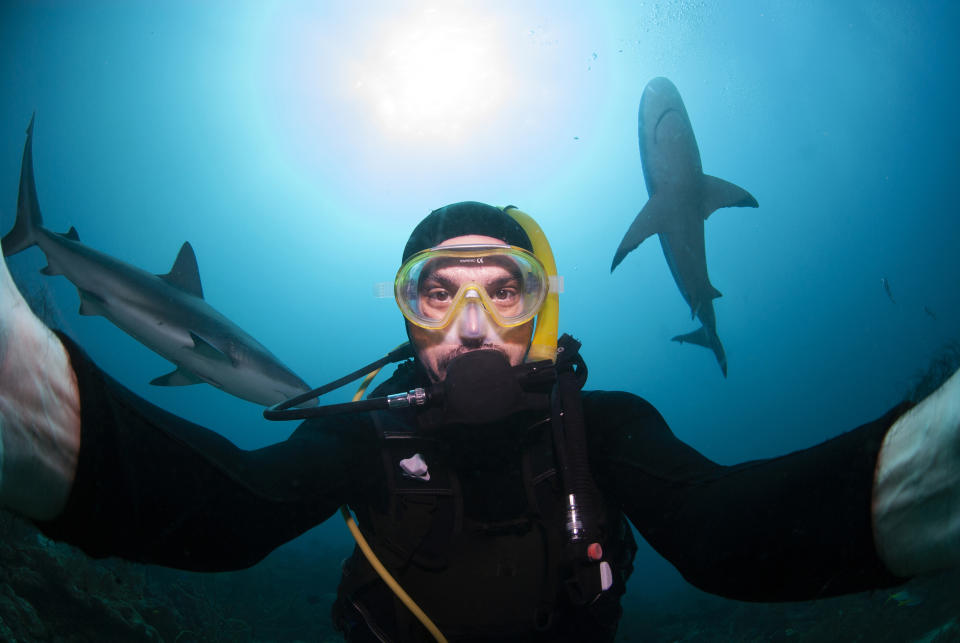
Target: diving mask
434,285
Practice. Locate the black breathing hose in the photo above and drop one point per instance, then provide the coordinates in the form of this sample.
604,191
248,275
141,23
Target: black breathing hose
571,446
285,411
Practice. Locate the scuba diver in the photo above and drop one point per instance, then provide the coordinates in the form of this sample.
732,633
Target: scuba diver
492,494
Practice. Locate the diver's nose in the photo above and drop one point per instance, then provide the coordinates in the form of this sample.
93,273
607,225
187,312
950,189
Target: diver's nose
473,319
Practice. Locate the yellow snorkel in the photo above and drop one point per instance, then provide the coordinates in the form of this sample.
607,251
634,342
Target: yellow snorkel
544,343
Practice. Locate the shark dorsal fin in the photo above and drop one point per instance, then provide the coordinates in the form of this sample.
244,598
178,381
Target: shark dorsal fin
185,275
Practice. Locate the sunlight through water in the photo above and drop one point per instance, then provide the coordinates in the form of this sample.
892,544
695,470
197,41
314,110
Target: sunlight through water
413,91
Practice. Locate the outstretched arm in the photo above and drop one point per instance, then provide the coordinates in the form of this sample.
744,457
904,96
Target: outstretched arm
916,494
96,466
156,488
795,527
39,410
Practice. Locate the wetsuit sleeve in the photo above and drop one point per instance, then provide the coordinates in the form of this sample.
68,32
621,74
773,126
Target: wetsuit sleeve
155,488
794,527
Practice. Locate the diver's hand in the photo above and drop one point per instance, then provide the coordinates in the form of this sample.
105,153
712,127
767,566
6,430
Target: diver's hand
916,493
39,410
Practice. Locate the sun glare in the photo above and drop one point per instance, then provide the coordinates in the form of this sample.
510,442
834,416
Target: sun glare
434,76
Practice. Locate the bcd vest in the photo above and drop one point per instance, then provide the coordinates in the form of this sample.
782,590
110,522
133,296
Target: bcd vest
477,540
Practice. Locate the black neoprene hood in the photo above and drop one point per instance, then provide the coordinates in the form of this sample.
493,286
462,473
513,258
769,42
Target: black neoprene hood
466,217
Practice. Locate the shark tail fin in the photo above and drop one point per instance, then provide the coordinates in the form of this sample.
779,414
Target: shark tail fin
29,220
702,337
718,193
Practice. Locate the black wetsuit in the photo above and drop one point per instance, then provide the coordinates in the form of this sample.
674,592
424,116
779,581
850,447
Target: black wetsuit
153,487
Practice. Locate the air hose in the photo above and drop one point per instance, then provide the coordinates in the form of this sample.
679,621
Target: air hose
371,557
388,579
570,442
287,410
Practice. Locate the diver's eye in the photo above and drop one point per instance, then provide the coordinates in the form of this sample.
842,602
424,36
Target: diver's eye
504,294
438,296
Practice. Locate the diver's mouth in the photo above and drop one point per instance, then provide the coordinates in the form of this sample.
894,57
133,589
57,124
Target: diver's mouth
444,360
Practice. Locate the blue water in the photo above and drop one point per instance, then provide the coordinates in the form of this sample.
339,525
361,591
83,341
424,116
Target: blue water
288,144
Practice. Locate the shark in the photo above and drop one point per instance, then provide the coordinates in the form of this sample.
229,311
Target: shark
166,313
886,289
681,197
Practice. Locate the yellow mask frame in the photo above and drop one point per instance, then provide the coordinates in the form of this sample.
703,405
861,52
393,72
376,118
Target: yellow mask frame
524,282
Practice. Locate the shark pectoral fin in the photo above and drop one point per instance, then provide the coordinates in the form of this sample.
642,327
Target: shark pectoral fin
179,377
185,275
90,303
718,193
648,222
208,350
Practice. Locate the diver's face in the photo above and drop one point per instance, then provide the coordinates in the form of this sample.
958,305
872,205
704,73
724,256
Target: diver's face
473,329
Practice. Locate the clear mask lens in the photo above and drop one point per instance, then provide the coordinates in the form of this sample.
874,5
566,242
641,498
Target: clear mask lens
434,285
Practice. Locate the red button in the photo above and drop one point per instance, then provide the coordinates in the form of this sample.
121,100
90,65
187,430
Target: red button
595,551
